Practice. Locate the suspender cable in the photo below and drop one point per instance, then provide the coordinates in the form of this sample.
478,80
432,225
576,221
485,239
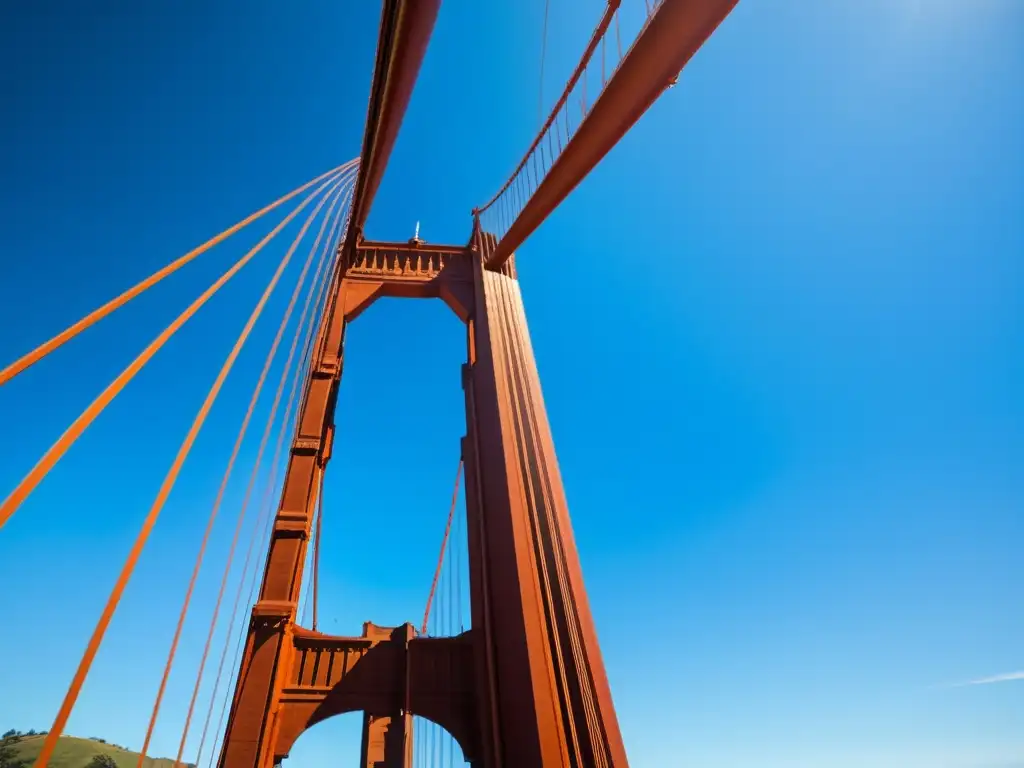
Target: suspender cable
261,525
618,35
334,195
79,425
304,599
461,550
269,425
319,305
172,475
96,315
316,546
451,581
268,508
444,543
543,52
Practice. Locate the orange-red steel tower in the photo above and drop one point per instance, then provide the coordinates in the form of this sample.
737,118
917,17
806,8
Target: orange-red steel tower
526,685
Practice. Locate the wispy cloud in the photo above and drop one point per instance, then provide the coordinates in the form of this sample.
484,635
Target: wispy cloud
989,680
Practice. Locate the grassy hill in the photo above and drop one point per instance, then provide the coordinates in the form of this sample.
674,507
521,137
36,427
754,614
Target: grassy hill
77,753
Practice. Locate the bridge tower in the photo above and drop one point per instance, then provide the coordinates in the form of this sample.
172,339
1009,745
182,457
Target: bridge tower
525,686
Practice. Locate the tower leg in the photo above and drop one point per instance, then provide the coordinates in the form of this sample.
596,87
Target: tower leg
252,725
387,742
544,694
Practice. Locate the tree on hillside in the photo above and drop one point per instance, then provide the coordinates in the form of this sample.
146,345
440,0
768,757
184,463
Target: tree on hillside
102,761
8,757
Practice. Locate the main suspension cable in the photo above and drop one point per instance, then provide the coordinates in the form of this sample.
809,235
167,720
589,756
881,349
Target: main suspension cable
79,425
133,556
270,420
332,194
37,354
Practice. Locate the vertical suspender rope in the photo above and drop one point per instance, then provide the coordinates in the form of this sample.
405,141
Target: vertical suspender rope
316,546
444,544
543,53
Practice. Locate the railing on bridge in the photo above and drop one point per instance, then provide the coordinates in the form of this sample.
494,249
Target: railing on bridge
606,94
570,109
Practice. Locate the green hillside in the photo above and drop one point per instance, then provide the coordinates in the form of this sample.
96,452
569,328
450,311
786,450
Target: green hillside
72,752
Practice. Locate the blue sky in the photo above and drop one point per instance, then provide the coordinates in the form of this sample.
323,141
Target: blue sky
779,331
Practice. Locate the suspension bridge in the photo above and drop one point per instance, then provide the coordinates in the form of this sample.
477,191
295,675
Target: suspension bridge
514,678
